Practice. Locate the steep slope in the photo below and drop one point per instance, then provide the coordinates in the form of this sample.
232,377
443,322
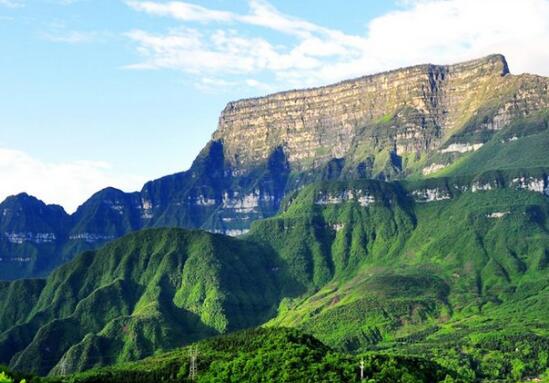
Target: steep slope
150,291
386,123
414,122
31,236
406,111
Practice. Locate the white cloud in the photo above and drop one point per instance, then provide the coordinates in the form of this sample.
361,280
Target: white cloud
439,31
66,183
58,32
70,37
451,30
11,3
181,11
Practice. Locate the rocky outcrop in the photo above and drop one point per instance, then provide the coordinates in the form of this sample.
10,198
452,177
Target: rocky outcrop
432,190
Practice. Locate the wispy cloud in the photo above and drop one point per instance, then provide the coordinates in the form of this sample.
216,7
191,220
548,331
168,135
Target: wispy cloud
222,44
59,32
70,37
227,51
65,183
219,52
181,11
11,3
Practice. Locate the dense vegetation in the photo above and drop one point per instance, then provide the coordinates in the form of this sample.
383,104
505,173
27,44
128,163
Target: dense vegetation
452,269
360,265
463,280
266,355
150,291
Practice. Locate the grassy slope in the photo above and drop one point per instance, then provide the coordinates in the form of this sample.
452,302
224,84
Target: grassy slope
439,273
523,144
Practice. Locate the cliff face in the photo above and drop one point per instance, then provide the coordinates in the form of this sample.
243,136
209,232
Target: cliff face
407,111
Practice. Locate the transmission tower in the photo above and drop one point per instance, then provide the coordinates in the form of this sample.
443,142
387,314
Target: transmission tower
193,356
63,367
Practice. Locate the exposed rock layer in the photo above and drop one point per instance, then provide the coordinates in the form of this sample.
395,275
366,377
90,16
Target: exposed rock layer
410,110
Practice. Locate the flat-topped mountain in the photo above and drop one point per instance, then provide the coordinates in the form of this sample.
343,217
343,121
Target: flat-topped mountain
410,110
423,121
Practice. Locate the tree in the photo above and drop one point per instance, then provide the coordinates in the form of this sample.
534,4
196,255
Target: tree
4,378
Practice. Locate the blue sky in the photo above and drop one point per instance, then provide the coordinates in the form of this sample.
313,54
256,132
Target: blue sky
107,92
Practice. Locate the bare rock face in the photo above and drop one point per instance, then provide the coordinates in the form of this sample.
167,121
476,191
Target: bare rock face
408,111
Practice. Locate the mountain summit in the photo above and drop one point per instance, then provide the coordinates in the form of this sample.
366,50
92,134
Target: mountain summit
410,111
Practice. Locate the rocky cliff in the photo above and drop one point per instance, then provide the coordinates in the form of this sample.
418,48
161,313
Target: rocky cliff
409,112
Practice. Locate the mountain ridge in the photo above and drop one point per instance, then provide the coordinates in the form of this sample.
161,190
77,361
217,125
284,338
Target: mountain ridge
494,56
403,137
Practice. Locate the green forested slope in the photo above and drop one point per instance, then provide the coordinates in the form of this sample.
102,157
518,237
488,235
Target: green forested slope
151,291
455,269
465,277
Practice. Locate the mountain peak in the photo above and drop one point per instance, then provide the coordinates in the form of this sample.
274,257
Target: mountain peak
29,201
494,63
23,198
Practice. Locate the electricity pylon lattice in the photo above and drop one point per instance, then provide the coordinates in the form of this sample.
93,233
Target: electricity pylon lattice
193,356
63,368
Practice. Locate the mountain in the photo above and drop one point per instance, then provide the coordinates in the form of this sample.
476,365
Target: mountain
417,122
404,213
32,234
153,290
452,268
